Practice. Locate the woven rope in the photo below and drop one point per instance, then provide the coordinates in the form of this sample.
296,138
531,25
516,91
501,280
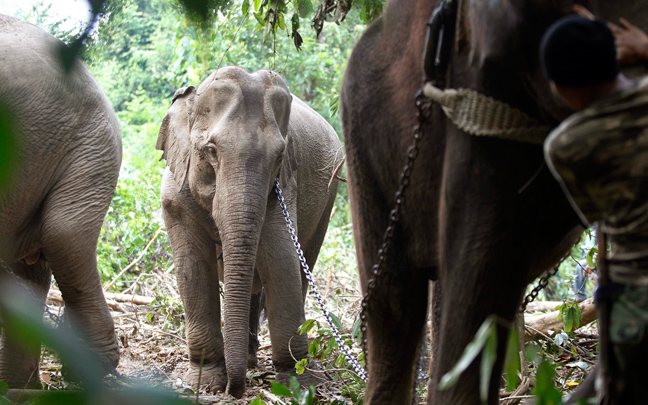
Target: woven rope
481,115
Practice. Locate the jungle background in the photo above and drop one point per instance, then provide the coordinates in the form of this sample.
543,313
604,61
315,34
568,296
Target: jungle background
140,52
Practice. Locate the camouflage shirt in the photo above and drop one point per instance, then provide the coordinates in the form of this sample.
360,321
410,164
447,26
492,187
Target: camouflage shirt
600,156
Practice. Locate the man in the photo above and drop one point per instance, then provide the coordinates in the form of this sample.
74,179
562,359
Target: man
600,157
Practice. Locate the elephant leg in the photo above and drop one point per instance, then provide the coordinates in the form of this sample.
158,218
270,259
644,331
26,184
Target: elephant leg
279,270
19,359
72,217
396,315
257,305
195,258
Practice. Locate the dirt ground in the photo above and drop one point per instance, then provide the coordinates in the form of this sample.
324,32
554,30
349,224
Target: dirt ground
153,348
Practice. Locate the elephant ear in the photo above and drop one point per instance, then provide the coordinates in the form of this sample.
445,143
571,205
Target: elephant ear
289,163
174,139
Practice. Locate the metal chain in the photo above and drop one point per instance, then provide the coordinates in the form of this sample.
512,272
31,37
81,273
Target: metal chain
423,105
542,284
314,290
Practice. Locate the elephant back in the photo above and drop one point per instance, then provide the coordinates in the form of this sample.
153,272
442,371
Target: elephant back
60,119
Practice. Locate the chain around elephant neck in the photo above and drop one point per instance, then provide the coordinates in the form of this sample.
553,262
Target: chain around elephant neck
314,290
424,108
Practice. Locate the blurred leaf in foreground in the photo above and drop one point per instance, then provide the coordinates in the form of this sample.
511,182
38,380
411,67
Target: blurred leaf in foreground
8,146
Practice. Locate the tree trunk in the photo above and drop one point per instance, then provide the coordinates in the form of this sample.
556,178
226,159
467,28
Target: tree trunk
543,323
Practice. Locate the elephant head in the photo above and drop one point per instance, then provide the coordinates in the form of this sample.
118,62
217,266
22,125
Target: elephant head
508,33
227,141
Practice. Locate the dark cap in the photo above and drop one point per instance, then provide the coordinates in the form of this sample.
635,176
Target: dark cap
577,52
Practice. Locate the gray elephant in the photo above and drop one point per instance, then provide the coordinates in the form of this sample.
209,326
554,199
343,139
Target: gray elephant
52,207
225,143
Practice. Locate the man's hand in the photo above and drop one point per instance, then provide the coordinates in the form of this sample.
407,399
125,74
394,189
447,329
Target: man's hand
631,42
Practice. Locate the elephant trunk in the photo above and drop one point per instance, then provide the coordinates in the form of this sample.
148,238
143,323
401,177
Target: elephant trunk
239,216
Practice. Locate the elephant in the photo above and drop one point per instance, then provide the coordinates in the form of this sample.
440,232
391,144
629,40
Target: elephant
67,159
481,216
225,143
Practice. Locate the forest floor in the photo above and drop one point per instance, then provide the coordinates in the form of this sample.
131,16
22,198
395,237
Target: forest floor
153,348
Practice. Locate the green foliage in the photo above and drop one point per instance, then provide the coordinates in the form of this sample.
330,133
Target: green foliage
512,362
324,349
8,147
39,15
132,220
545,390
571,315
297,395
485,343
4,389
592,257
130,54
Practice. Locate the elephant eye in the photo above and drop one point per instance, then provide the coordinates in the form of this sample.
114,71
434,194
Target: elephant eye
211,151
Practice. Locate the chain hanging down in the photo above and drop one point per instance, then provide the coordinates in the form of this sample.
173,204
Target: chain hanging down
424,107
314,290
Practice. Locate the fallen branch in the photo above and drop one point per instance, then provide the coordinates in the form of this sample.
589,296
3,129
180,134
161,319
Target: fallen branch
55,297
542,306
518,394
134,262
336,171
549,321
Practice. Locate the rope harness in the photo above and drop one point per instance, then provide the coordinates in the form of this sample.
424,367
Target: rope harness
480,115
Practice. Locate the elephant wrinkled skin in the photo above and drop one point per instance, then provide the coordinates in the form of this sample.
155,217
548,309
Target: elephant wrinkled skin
225,143
67,163
482,215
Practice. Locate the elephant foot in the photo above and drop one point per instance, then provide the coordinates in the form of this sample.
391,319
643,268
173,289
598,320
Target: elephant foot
253,362
29,379
313,375
106,356
213,376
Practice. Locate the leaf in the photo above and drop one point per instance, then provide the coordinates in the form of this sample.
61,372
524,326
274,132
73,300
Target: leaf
4,388
487,361
300,366
306,326
313,348
311,395
280,389
590,257
295,387
257,5
281,23
471,351
336,322
545,390
568,320
512,361
572,384
8,147
305,8
257,401
245,7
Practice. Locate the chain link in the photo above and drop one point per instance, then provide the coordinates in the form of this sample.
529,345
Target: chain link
424,108
314,290
542,284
